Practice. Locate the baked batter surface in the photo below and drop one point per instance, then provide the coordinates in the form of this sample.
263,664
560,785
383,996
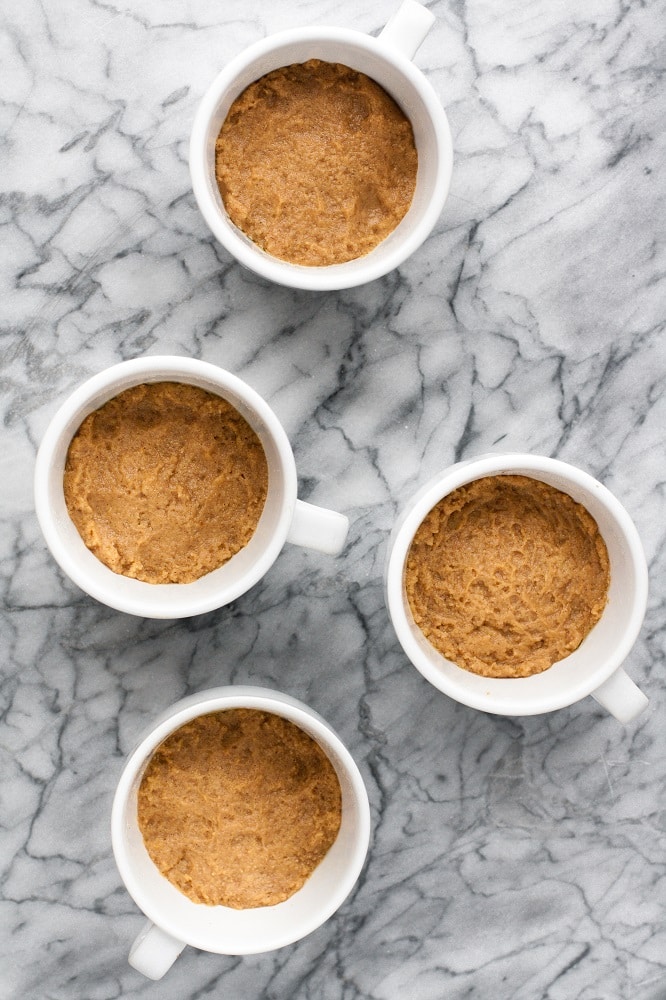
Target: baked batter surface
165,482
237,808
316,163
507,575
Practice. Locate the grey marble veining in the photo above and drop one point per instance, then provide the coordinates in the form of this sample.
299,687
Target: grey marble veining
510,859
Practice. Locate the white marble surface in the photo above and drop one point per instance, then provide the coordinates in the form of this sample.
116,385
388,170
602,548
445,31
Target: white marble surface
510,859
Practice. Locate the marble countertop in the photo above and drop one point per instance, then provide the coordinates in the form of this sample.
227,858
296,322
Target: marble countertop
513,859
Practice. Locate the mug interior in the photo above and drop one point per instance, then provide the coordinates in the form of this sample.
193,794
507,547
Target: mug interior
230,931
168,600
411,91
600,653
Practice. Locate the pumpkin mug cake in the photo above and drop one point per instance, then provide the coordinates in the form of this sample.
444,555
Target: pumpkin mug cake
507,575
316,163
240,794
387,60
165,482
237,808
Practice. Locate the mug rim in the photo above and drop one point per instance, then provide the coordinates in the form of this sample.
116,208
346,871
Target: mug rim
426,498
222,699
317,277
147,601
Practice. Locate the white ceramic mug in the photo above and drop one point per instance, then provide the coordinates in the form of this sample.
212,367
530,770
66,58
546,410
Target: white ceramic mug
595,667
174,920
284,518
387,60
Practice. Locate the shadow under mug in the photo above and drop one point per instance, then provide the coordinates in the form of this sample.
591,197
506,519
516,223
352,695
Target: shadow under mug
592,669
285,518
174,920
385,59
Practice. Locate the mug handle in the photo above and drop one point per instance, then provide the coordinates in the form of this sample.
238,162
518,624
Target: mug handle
620,696
154,951
406,29
318,528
